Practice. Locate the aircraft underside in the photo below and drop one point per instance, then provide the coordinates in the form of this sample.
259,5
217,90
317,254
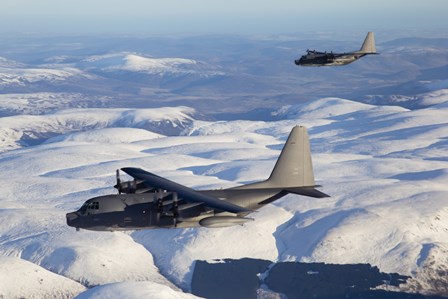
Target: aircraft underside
327,60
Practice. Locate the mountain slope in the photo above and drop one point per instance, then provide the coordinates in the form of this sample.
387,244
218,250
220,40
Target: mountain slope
384,167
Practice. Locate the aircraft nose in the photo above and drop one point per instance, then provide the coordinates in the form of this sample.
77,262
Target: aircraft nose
72,219
297,61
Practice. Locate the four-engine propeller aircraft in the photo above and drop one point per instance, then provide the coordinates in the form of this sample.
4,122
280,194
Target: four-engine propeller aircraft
150,201
314,58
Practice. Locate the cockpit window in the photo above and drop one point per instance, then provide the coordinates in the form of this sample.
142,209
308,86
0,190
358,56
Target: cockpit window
93,205
84,207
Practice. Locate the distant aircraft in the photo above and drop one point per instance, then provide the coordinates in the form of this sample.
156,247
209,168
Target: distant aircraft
150,201
314,58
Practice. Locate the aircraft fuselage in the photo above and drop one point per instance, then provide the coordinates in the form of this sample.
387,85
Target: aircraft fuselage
142,211
315,58
327,59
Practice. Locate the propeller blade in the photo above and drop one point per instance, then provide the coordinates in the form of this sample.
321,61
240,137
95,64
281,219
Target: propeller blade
134,186
175,209
118,185
158,196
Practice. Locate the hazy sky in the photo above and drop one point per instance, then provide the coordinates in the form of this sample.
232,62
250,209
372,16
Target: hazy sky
212,16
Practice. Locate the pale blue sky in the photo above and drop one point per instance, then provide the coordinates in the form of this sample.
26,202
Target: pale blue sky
211,16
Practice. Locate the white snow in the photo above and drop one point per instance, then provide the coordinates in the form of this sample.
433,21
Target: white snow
43,102
107,136
384,167
138,64
14,129
133,290
22,279
435,97
133,62
23,76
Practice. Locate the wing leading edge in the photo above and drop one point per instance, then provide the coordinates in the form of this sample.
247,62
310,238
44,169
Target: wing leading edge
190,195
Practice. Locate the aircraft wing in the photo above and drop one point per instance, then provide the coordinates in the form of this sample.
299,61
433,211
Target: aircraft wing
188,194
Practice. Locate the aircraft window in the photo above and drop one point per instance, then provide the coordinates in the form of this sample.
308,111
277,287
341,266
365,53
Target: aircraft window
84,207
94,205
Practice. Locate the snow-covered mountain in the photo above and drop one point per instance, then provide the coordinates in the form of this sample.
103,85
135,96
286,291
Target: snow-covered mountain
385,168
47,102
133,62
15,74
219,76
17,131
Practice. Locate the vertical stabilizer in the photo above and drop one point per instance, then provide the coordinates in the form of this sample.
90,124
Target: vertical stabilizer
368,46
294,167
293,172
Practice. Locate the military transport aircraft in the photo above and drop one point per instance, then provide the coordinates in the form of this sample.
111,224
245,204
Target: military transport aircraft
314,58
150,201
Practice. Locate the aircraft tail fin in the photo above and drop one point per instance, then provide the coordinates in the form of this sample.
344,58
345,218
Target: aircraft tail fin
294,167
368,46
293,171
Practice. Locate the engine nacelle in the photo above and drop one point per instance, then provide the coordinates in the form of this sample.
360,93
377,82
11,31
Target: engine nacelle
130,187
223,221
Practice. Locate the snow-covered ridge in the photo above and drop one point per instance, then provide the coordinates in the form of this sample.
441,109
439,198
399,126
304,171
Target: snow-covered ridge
139,64
133,62
107,136
22,76
437,95
45,102
22,279
7,63
329,107
135,290
17,131
384,167
16,74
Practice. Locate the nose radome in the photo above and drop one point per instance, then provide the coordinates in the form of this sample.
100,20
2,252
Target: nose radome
71,217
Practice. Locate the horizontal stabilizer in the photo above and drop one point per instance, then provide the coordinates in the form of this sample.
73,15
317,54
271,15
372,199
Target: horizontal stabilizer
311,192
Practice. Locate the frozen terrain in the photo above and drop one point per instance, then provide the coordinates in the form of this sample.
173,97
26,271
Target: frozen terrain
73,109
223,77
385,168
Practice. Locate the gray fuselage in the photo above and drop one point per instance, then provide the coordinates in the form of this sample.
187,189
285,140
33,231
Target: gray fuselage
313,58
139,211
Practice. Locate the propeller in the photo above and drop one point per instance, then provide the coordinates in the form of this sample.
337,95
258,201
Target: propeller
126,187
118,185
175,208
132,186
158,197
161,203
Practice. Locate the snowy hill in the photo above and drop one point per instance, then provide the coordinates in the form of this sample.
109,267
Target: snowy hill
46,102
385,168
218,76
22,279
16,131
15,74
132,62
